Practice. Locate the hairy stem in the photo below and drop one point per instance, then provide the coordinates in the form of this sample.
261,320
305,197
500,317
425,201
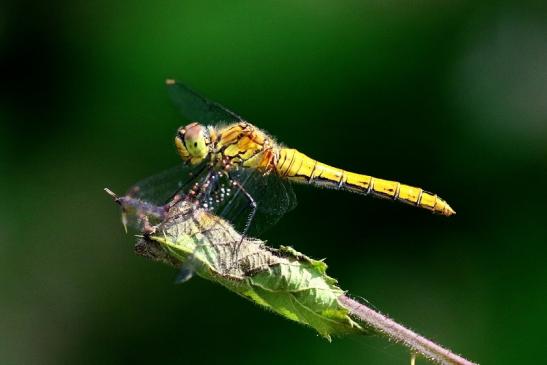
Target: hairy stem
398,333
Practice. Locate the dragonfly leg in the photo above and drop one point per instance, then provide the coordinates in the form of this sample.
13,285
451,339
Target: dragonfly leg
188,268
147,228
176,196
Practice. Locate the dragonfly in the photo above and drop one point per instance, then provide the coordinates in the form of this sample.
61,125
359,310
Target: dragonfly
240,173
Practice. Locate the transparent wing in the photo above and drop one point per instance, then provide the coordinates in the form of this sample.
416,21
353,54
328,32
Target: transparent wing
195,107
273,196
228,195
144,205
159,189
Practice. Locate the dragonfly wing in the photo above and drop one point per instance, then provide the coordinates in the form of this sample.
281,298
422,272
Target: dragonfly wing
159,189
196,107
144,205
273,197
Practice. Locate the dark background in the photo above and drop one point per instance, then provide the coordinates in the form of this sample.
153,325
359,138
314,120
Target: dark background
450,97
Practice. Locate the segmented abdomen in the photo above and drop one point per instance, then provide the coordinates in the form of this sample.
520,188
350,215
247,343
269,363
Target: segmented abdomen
300,168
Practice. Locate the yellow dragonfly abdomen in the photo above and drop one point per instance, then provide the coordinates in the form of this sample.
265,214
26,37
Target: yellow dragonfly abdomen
298,167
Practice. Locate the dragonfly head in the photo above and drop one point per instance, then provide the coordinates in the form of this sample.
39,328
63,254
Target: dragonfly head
193,142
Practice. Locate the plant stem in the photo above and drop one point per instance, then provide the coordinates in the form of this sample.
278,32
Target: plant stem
398,333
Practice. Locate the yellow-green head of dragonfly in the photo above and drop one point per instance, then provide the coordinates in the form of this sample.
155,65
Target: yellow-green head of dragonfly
193,143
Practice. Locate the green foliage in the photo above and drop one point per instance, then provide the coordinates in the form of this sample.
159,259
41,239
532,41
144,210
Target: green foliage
282,280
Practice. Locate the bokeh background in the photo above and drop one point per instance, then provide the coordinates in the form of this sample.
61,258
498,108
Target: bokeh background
448,96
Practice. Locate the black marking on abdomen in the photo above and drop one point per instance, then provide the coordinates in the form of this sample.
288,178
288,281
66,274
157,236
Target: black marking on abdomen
370,186
312,175
397,191
342,181
290,164
419,198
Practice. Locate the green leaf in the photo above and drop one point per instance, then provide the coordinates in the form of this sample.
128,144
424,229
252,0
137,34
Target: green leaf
282,280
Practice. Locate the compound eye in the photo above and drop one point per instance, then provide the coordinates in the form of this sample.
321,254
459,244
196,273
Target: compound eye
195,140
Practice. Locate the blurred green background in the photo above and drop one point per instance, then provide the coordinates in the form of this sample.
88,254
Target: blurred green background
450,97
